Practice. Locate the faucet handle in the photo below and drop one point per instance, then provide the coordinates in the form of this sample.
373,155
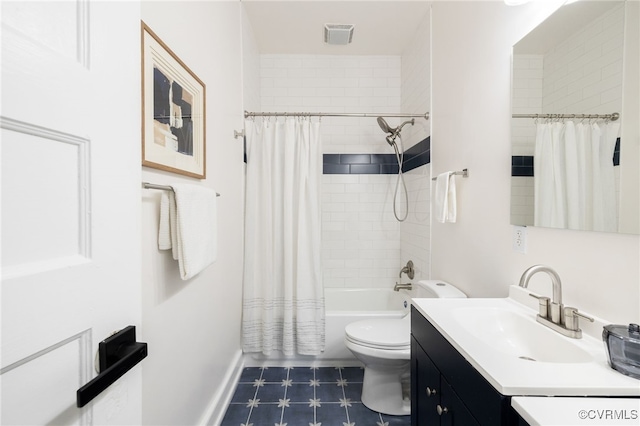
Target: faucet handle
543,305
571,318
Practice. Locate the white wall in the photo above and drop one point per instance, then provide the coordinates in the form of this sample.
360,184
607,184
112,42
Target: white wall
193,327
250,66
415,239
471,51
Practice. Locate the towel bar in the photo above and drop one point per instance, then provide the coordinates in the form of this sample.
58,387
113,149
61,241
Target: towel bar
148,185
464,173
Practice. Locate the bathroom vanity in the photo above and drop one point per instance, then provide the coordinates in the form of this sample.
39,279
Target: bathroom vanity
446,389
474,360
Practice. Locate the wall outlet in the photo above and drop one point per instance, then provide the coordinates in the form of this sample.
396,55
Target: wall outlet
519,239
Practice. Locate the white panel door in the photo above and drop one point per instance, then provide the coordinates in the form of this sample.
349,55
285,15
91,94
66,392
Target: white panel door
70,206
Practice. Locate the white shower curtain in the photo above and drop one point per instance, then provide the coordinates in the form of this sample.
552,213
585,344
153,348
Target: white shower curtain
574,176
283,297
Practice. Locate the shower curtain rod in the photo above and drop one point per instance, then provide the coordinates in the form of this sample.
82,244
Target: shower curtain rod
612,117
248,114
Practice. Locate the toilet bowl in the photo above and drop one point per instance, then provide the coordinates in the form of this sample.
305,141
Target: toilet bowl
383,346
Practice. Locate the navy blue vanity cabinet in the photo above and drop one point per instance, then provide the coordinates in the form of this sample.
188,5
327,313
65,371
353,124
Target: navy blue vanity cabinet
446,389
425,387
435,402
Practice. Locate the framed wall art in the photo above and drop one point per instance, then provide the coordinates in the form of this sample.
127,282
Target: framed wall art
173,111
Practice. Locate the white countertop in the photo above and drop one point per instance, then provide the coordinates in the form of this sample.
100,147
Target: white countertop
511,375
567,411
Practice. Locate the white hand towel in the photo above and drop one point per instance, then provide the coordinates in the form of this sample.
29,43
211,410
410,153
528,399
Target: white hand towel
188,226
445,198
167,201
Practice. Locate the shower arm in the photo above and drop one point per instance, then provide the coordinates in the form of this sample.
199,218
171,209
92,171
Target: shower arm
393,132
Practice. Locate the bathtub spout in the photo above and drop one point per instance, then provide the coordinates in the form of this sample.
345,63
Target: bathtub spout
401,286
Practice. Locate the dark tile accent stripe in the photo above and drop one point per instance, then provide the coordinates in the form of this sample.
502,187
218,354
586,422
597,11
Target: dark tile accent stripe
522,165
372,164
375,164
335,169
418,155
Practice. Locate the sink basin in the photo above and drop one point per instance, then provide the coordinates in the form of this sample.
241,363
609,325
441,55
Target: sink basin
502,340
518,335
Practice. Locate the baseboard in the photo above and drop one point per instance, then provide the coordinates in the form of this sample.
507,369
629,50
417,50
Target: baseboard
276,359
218,405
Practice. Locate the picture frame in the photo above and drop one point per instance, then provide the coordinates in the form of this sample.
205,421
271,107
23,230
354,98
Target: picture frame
173,111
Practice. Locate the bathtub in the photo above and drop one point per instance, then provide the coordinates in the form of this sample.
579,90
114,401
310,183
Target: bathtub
343,306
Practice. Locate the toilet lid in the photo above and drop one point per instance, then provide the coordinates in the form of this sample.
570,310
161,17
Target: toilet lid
380,333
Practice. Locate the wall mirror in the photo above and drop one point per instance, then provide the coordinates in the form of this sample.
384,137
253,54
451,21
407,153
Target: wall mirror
571,67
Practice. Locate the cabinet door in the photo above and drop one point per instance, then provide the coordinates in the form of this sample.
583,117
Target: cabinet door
451,410
425,389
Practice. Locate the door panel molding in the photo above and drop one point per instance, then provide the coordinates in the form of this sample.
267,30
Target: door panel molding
83,340
82,251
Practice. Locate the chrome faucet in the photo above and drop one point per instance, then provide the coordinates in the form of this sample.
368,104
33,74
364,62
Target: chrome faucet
552,313
400,286
556,302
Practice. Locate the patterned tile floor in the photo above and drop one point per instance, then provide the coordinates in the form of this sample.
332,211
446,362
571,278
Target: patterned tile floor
303,396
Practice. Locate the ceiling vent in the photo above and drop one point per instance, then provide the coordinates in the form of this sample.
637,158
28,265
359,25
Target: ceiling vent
338,33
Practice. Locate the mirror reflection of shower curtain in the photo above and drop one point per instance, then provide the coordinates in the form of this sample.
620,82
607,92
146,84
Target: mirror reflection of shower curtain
574,176
283,297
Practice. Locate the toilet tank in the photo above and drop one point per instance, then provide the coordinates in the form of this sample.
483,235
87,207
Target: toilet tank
435,289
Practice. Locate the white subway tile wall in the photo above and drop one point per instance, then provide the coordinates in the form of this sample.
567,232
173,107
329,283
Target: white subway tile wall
361,238
584,74
526,99
415,240
522,192
331,83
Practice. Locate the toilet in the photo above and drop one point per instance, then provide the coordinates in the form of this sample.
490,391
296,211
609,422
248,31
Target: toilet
383,346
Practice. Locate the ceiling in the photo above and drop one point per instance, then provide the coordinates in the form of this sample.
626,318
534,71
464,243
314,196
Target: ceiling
563,23
297,27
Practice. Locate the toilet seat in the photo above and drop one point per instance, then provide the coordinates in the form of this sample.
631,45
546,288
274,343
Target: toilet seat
386,334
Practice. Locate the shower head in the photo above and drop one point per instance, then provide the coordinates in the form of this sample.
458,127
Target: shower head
384,125
392,132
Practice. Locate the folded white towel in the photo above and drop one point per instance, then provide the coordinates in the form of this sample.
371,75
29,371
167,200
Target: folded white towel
167,202
188,226
445,198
